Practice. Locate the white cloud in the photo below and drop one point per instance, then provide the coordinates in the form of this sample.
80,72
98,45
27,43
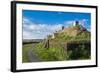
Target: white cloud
70,22
32,30
26,20
38,31
82,22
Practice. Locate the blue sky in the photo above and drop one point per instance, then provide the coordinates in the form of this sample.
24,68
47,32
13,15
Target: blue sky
39,24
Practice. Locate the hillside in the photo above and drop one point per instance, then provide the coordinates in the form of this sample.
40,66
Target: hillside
70,43
73,33
74,30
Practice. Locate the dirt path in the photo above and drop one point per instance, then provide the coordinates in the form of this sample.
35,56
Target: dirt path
32,56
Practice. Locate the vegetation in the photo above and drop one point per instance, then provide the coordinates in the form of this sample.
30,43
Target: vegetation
50,54
25,50
55,49
79,53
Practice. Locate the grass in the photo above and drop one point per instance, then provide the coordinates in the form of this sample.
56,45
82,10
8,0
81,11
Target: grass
57,53
56,50
26,48
50,54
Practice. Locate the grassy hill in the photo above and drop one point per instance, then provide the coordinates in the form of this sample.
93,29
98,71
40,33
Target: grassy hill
53,49
73,32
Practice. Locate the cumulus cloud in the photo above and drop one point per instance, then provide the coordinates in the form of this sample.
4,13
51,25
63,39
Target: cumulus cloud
82,22
32,30
69,22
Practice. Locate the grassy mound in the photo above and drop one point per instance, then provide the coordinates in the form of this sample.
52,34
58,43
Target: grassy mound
56,51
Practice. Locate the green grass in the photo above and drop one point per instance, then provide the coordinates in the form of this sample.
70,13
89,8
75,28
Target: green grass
56,51
26,48
50,54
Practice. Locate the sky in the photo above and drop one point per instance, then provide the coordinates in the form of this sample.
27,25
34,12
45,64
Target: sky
39,24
